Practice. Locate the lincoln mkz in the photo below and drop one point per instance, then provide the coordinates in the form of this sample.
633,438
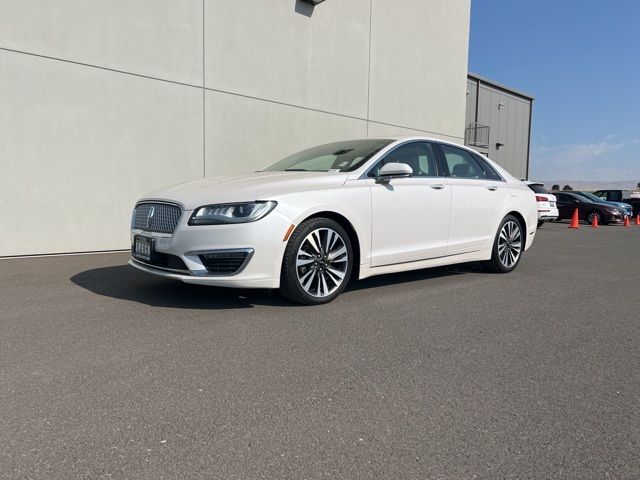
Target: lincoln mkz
317,219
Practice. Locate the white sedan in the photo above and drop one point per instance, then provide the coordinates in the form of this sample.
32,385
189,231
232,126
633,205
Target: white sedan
547,203
313,221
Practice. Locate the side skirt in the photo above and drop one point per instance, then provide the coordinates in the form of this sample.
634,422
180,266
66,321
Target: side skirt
367,271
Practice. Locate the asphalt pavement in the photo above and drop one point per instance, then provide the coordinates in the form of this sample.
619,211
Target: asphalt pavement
449,373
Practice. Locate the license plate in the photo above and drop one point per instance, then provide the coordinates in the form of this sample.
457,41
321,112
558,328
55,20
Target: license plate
142,248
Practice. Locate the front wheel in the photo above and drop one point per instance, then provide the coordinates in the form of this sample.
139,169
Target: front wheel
507,246
594,214
317,262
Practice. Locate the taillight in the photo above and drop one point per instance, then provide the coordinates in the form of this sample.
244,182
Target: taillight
541,199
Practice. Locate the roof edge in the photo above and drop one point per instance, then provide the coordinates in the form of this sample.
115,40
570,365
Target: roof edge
500,86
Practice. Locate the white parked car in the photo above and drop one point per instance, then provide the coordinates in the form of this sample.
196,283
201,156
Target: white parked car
313,221
547,203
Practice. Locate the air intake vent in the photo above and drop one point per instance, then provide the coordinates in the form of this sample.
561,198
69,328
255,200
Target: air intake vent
167,262
227,262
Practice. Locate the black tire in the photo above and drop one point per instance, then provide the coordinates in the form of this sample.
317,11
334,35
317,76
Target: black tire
540,224
290,282
496,264
594,213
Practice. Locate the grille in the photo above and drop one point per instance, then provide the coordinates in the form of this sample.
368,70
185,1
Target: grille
156,217
224,263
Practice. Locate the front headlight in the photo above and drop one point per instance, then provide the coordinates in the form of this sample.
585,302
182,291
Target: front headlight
231,213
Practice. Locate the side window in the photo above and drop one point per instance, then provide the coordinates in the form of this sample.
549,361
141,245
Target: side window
600,194
489,171
461,163
615,197
420,156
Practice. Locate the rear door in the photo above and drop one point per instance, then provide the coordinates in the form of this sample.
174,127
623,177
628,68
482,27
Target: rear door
477,200
566,205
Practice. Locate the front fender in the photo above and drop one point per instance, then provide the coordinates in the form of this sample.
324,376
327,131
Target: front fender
353,204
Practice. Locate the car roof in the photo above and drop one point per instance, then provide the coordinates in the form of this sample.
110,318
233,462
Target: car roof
394,139
404,138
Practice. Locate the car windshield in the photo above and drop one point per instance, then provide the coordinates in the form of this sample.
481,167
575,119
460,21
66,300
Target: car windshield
340,156
593,197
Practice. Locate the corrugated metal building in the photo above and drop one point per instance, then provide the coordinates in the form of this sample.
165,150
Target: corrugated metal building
498,123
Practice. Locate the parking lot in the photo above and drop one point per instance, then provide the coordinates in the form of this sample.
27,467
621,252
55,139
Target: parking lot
449,373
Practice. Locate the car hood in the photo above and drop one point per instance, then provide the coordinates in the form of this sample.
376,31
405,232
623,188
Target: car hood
614,205
622,205
242,188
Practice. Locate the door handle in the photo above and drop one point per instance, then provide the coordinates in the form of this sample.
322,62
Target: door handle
493,188
436,186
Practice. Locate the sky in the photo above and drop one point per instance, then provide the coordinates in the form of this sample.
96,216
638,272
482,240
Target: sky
581,62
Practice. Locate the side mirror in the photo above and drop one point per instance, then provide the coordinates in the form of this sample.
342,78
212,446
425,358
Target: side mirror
393,170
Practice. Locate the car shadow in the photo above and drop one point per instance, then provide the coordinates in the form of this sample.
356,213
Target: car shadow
414,276
124,282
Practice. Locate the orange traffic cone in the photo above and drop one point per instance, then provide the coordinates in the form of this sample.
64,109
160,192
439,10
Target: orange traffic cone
638,219
626,221
575,222
594,222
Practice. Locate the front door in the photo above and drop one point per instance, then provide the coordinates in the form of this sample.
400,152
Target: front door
409,215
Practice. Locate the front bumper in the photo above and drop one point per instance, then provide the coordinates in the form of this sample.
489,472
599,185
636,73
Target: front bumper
616,217
264,240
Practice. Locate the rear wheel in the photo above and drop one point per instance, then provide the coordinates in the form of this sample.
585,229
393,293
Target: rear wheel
507,246
540,223
317,262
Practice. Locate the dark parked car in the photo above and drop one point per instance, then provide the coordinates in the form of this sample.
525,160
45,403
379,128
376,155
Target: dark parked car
567,203
620,196
625,208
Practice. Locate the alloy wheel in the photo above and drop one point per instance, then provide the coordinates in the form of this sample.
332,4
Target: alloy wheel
322,262
509,244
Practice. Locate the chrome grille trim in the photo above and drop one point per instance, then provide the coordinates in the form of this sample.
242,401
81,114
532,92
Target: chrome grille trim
156,217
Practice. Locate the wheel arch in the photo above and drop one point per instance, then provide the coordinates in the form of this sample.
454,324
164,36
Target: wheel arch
523,224
351,231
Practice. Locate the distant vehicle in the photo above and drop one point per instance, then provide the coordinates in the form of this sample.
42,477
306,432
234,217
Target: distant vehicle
620,196
624,207
587,210
547,209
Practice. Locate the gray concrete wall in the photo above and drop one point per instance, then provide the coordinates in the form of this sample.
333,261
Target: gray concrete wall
103,101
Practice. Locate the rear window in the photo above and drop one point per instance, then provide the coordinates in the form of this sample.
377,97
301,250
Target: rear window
489,172
538,188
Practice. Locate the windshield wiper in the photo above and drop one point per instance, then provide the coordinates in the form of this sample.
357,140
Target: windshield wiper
302,170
